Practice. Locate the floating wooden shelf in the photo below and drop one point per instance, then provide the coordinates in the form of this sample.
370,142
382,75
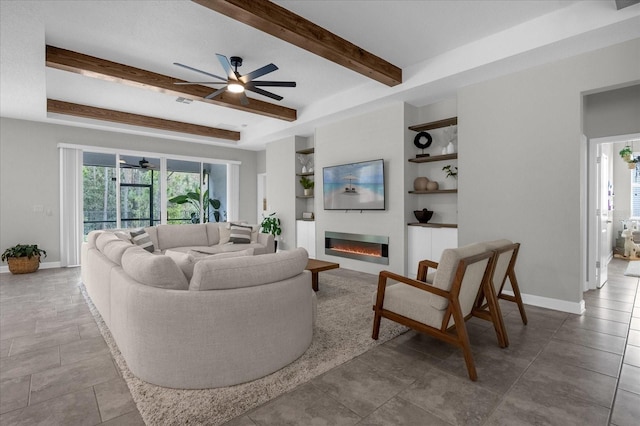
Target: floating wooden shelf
434,225
437,191
305,174
306,151
304,196
434,124
434,158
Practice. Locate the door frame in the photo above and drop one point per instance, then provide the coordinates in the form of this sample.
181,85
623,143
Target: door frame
593,186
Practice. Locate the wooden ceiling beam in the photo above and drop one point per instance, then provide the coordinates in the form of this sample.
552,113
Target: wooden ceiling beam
85,111
292,28
90,66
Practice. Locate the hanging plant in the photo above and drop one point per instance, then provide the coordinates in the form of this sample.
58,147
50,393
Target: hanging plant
626,154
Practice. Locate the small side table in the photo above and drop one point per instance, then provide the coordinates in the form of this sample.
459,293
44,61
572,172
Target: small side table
315,266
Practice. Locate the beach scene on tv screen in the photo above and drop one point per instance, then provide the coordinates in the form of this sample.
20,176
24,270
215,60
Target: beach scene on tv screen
358,186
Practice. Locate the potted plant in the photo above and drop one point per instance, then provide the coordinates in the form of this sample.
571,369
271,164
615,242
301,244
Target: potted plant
307,185
271,225
626,153
452,171
632,163
193,198
23,258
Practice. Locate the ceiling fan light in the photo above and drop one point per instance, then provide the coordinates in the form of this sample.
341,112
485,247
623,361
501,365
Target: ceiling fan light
235,88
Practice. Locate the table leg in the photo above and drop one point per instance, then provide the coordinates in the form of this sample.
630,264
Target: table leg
314,281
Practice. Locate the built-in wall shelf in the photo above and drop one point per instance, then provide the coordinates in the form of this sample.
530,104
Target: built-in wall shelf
437,191
305,174
434,225
434,124
304,196
306,151
434,158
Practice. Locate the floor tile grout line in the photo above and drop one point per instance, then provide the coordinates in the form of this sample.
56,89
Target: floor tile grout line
615,392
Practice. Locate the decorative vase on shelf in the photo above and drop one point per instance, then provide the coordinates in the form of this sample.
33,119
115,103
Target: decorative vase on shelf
444,150
450,148
432,185
308,192
420,183
304,169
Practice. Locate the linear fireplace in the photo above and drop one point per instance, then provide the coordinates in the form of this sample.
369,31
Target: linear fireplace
369,248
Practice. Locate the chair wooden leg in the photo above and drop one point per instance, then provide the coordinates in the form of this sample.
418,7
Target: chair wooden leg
376,324
463,338
496,315
516,292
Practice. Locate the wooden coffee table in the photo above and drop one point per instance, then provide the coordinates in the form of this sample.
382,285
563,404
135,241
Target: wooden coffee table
316,266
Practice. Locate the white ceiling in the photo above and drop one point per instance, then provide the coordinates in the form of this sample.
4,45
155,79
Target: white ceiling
440,45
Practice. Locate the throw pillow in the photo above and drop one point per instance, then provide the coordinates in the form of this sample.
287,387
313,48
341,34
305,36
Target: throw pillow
225,234
123,236
142,239
240,234
185,261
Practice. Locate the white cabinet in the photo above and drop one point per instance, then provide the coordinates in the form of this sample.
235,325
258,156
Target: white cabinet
306,236
428,243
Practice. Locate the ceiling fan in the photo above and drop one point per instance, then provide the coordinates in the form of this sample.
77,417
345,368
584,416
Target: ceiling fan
236,83
142,164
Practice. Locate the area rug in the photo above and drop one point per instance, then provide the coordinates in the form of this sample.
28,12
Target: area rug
633,269
342,332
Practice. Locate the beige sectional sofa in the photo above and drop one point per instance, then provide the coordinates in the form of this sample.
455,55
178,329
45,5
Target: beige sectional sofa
237,319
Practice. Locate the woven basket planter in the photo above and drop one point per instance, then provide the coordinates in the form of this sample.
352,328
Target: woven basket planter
23,265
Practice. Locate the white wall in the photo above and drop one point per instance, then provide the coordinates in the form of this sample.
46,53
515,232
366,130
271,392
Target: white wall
378,134
522,166
612,112
29,175
281,188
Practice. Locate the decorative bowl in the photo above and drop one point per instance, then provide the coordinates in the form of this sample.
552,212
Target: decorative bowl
423,215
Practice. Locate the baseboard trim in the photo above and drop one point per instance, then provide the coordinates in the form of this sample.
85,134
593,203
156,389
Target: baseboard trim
43,265
549,303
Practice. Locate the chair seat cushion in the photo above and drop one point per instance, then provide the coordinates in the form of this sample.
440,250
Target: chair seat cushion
412,303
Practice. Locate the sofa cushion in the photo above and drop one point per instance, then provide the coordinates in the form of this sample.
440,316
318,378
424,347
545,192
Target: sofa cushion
170,236
199,254
153,234
115,249
142,239
185,261
240,234
248,271
153,270
213,233
104,238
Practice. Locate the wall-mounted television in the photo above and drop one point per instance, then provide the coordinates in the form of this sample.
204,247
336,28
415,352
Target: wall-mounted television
354,186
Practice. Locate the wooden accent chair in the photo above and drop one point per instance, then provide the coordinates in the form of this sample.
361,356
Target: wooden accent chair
441,309
506,255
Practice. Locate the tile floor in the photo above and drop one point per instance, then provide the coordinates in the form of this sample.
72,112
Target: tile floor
561,369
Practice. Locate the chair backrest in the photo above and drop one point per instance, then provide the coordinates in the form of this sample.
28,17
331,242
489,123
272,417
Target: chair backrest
507,253
448,268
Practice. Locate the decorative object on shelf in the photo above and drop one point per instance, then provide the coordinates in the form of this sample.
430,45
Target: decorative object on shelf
452,171
423,215
307,162
420,183
432,185
444,150
307,185
271,225
422,140
23,258
307,216
450,148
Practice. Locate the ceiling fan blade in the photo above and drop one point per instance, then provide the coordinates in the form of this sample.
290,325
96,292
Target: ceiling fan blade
185,83
227,66
243,99
258,73
200,71
216,93
274,83
263,92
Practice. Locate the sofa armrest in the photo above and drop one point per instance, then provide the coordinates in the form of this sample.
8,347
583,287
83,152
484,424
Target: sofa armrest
267,241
